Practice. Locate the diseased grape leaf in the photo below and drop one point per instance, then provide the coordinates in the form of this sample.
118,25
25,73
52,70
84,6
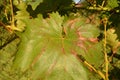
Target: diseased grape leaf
50,47
88,45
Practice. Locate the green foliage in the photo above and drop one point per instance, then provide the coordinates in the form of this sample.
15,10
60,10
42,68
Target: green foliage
5,37
112,3
112,40
34,3
6,60
59,40
21,16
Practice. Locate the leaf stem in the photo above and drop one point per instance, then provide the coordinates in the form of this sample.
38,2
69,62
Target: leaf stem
12,27
12,13
91,67
105,21
103,3
97,71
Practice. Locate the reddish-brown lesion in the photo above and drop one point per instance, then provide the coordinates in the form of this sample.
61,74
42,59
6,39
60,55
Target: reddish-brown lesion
39,55
72,23
52,66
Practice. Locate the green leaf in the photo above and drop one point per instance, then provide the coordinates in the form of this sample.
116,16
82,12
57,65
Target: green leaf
112,40
20,4
49,47
34,3
6,60
112,3
21,16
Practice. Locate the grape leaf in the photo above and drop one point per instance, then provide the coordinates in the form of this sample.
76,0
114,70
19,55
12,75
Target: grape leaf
34,3
6,60
112,40
112,4
49,47
21,15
